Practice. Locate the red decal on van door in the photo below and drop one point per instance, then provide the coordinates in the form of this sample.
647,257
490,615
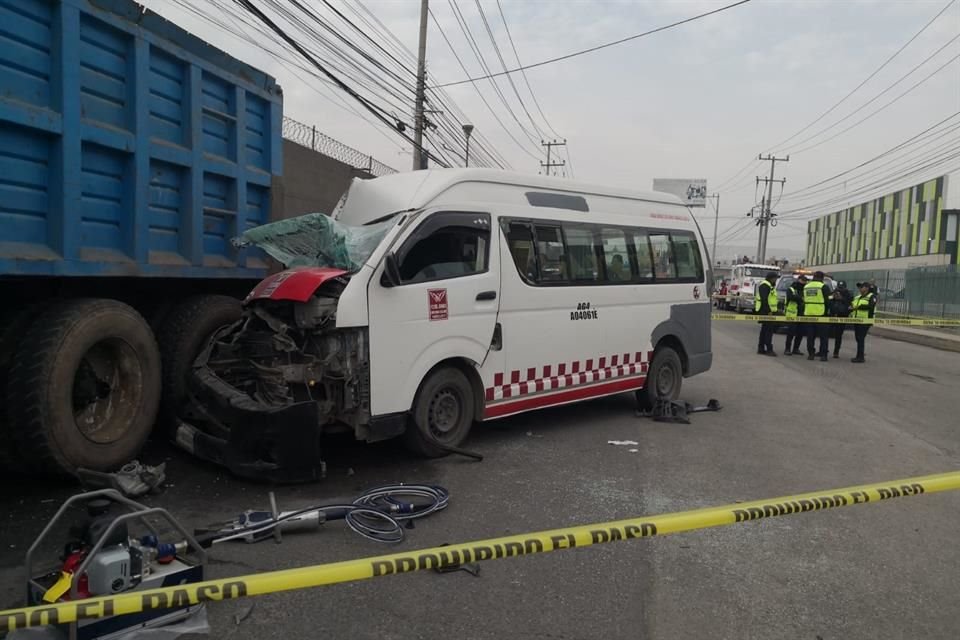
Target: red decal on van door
438,304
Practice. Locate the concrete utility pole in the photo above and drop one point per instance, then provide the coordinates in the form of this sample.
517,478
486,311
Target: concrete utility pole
419,158
550,145
467,130
766,215
716,220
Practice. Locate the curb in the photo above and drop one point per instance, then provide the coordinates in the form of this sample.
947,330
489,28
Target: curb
924,339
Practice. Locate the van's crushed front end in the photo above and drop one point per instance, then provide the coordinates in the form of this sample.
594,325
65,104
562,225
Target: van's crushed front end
264,390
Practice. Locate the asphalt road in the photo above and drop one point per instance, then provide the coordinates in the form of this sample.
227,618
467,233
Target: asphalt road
889,570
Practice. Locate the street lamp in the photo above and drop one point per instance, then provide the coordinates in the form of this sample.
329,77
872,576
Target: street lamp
467,130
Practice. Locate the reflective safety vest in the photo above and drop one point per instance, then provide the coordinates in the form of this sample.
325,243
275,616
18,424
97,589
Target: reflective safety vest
814,303
861,306
792,308
771,297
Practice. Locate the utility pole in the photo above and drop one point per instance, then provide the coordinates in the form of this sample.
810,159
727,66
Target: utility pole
766,215
716,220
467,130
550,145
419,159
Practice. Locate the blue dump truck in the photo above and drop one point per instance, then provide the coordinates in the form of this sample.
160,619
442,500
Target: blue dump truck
131,152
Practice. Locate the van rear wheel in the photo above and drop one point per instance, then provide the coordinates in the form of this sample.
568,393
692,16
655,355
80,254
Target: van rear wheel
442,413
664,378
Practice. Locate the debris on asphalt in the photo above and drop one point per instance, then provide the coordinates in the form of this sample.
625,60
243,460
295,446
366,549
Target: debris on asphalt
240,617
134,479
675,411
622,443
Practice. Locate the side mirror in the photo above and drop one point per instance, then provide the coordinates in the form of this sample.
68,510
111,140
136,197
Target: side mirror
391,271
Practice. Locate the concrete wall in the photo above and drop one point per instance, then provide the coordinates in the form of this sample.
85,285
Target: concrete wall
312,182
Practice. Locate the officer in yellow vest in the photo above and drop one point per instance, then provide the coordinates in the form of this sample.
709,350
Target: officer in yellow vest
765,304
815,296
864,306
793,308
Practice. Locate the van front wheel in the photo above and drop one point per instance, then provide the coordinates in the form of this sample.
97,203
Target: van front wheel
442,413
664,378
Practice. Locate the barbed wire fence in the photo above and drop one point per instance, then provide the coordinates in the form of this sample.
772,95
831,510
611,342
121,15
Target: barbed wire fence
309,137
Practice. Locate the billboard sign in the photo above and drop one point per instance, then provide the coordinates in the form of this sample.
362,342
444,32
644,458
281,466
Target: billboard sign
692,191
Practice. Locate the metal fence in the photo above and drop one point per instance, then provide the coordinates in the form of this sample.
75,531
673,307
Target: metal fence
309,137
922,291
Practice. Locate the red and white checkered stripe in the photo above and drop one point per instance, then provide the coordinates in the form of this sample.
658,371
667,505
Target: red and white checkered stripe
551,377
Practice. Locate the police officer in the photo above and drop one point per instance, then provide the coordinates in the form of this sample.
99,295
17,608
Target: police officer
815,296
765,304
793,307
839,307
864,306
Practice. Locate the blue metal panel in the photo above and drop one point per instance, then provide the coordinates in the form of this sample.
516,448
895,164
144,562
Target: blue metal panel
127,146
167,208
105,70
25,40
104,197
167,89
24,178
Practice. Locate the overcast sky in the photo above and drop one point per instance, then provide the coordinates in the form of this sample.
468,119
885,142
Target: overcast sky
699,100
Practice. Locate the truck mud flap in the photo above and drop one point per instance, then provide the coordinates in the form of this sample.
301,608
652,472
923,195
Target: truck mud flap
253,440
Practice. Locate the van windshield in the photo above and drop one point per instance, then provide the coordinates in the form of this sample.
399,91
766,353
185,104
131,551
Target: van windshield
755,272
316,240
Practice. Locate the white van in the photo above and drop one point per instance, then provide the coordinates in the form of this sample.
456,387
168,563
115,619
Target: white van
488,294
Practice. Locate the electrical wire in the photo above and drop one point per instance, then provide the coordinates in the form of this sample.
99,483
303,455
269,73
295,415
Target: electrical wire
483,98
378,514
523,73
598,47
867,79
892,102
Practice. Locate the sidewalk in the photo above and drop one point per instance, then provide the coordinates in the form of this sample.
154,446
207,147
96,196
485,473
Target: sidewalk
943,339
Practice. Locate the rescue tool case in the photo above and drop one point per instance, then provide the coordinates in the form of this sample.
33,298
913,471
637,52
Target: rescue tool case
104,554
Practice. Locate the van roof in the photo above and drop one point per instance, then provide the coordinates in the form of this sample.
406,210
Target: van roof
768,267
368,200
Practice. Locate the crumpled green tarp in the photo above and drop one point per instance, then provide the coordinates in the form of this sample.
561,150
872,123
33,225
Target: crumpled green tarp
315,240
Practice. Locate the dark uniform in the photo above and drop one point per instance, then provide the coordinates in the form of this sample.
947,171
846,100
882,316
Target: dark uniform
864,306
765,304
839,307
815,296
793,307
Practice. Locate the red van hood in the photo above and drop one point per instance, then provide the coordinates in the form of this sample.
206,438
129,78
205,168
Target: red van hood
293,284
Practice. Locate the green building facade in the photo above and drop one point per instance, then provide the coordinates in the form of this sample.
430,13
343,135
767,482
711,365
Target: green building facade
907,223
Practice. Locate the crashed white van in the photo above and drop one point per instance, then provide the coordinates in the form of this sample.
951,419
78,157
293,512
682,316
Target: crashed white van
438,299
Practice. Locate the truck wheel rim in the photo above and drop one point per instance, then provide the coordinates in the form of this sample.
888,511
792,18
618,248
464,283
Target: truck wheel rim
444,413
106,391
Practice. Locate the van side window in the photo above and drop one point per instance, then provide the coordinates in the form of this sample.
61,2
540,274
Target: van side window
616,257
581,253
641,245
520,241
446,245
687,254
551,255
664,265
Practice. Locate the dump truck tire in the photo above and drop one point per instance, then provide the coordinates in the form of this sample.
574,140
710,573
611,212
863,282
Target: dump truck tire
184,333
13,323
84,387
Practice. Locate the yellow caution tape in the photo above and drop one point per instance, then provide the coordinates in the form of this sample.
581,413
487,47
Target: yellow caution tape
491,549
903,322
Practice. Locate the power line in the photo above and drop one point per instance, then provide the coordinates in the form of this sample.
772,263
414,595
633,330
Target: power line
377,112
883,154
873,99
523,73
478,54
869,77
598,47
477,89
